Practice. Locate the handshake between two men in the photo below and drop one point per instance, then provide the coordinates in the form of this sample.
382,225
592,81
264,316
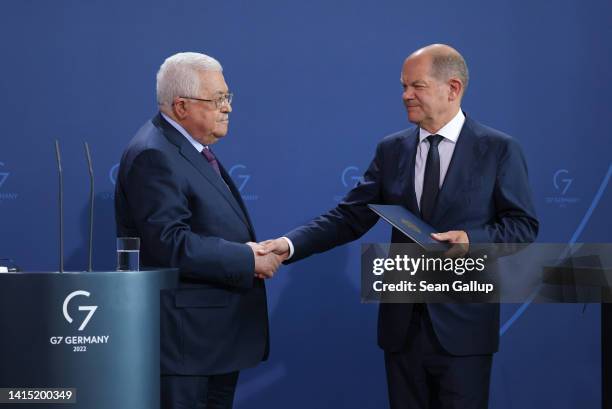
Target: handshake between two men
269,255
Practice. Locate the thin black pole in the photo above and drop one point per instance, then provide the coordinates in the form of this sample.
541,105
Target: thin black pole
61,206
91,206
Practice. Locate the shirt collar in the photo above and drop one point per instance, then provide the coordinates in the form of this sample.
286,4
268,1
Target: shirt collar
449,131
199,147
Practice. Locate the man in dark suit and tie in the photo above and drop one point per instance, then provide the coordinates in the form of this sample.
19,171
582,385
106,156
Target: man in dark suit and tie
175,195
467,180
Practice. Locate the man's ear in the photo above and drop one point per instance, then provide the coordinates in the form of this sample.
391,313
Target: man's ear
179,108
455,89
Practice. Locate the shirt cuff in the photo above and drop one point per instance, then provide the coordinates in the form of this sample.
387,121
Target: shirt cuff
291,249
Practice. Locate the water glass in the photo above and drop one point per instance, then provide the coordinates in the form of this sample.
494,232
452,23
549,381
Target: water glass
128,253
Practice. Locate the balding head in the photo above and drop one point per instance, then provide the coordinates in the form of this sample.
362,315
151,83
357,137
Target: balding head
446,63
434,80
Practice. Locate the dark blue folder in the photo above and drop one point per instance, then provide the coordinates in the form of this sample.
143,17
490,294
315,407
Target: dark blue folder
409,224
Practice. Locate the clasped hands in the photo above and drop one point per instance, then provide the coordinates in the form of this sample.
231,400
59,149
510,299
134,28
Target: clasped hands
269,255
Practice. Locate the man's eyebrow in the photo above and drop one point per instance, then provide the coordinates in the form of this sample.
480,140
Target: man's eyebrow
220,92
415,82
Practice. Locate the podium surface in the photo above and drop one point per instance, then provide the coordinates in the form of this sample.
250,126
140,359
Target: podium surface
96,334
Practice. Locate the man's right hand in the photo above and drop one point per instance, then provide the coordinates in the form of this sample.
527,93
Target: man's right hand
278,246
266,263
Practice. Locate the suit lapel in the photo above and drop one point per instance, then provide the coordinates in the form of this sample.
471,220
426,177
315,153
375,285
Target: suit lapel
460,170
200,163
406,169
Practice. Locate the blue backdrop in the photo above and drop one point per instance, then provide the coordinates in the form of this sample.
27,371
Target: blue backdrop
316,86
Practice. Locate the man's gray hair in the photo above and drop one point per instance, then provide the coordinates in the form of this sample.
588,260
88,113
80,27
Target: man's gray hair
178,76
446,65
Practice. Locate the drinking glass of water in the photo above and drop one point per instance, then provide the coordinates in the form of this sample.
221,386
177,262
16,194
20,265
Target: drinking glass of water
128,253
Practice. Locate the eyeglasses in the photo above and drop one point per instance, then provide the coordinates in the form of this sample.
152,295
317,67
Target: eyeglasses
219,102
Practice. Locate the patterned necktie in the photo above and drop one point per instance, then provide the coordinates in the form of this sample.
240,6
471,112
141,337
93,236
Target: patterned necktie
212,159
431,181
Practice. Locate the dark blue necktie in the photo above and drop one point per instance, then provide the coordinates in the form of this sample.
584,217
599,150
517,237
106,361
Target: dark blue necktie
431,181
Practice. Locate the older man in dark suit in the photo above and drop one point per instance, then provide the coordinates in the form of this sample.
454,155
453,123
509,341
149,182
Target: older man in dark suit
467,180
173,193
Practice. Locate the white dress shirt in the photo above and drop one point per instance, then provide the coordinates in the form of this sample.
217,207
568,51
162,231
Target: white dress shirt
199,147
450,133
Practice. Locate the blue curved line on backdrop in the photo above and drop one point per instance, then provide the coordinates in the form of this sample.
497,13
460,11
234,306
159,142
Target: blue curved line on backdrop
604,184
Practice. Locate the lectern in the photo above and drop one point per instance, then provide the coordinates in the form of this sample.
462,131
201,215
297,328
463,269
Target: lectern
95,333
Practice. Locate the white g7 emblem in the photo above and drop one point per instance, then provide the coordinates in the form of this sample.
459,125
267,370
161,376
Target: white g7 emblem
244,178
567,181
90,308
355,179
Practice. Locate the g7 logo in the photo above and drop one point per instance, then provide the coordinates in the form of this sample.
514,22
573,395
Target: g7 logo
112,174
3,175
91,308
567,181
355,178
243,178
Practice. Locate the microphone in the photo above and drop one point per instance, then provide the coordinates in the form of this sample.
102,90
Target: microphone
91,205
61,206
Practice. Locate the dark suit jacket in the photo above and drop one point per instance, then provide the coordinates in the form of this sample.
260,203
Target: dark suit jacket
485,192
169,195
